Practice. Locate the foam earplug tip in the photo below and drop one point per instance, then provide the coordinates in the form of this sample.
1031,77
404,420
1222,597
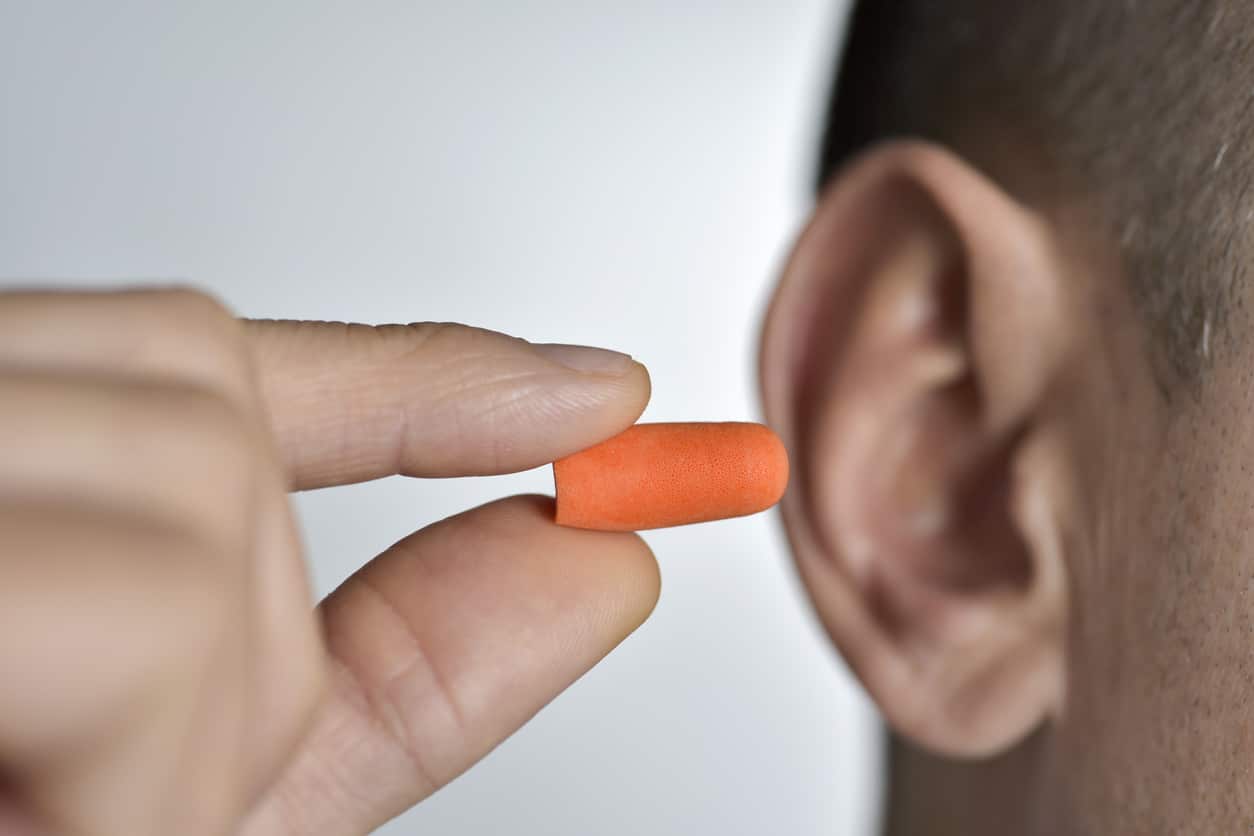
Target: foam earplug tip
661,475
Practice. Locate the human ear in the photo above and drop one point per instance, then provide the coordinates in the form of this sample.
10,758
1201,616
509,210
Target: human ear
907,362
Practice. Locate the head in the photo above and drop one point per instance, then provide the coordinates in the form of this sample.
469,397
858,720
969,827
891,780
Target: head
1011,357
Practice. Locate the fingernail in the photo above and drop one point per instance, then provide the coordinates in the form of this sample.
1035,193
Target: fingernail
586,359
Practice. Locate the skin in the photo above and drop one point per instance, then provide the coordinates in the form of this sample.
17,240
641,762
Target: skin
1027,547
165,670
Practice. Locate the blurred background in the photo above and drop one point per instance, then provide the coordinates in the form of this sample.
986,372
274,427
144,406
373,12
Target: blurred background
628,175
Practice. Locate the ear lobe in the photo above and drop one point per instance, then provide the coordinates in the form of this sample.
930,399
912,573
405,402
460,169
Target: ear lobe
895,367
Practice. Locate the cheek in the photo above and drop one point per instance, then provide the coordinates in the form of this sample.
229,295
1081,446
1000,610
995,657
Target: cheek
1160,710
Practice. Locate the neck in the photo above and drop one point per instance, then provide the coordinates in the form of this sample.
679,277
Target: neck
933,796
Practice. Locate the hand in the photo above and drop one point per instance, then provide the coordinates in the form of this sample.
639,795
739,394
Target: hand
162,669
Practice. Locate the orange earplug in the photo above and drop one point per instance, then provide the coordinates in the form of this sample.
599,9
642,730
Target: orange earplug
659,475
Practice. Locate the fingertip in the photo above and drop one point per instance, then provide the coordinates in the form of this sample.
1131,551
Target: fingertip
448,642
628,577
628,396
615,572
631,579
642,582
644,382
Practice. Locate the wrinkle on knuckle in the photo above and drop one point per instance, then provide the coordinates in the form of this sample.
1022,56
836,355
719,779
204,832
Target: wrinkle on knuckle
212,450
205,336
388,345
457,349
211,432
190,304
396,718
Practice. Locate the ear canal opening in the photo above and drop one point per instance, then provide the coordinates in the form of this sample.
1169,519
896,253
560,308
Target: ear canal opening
974,550
986,524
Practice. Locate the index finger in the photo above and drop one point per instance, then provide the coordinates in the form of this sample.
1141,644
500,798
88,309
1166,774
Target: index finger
346,403
353,402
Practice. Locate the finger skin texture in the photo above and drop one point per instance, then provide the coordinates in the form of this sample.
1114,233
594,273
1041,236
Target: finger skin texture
659,475
126,447
130,619
160,658
155,335
159,654
346,403
356,402
444,646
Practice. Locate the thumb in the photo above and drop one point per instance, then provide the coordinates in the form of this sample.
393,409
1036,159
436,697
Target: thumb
444,646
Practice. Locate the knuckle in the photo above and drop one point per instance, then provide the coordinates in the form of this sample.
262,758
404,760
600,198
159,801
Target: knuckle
206,336
208,428
459,358
399,341
208,450
441,336
443,341
193,304
440,348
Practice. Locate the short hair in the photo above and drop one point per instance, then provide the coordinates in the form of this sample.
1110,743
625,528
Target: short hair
1141,109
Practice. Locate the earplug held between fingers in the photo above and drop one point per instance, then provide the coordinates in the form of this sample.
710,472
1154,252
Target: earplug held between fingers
660,475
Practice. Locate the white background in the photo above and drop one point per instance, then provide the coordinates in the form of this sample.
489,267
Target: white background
626,174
